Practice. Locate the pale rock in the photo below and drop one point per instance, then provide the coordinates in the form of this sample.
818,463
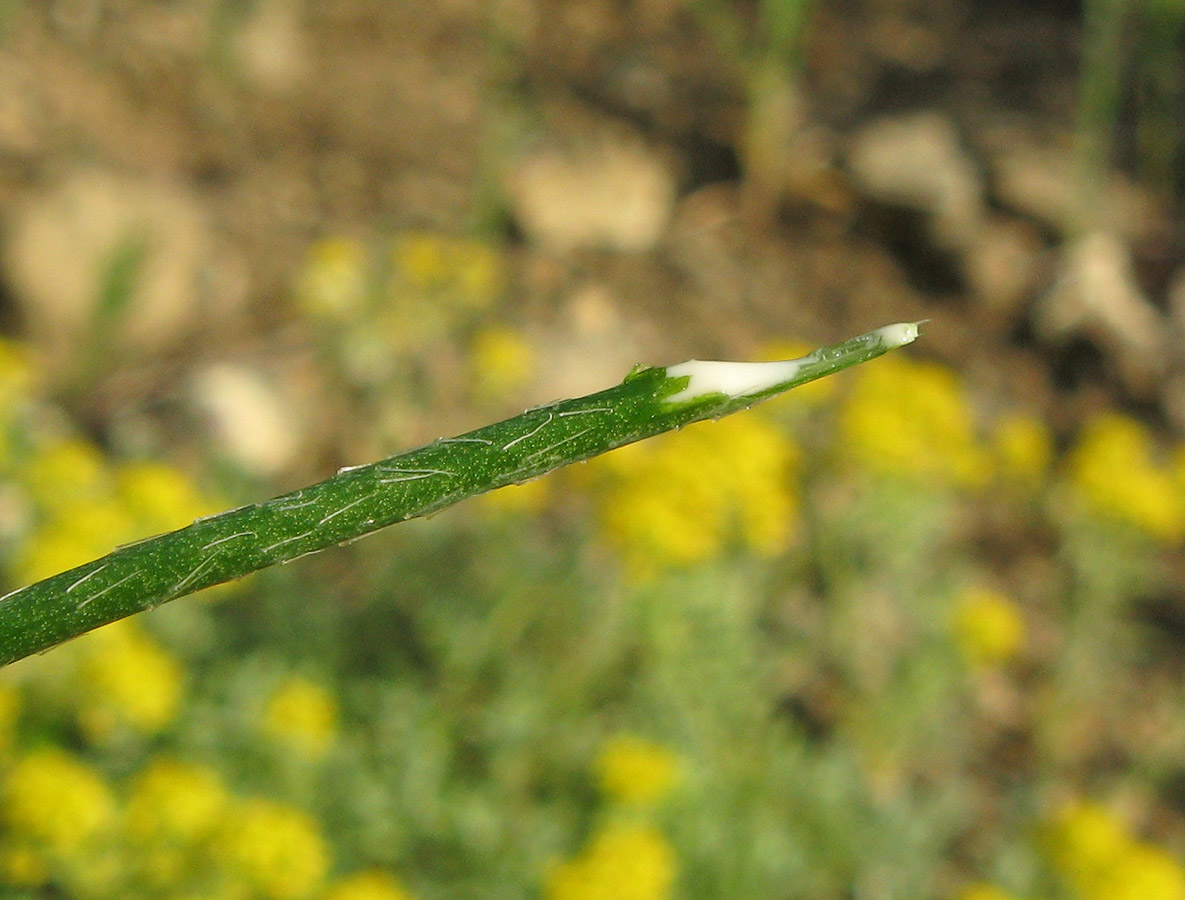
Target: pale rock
1045,184
253,423
60,247
1002,266
1176,303
917,162
1096,296
1038,183
592,343
614,194
271,48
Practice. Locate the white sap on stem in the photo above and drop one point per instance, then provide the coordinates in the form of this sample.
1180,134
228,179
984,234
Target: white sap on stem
743,379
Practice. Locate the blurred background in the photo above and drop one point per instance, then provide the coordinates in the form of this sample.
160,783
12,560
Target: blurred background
914,631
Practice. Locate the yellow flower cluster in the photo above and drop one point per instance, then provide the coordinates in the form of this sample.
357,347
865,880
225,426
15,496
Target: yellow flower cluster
374,884
406,301
175,801
988,627
276,851
636,772
911,418
1101,860
125,680
173,810
469,272
303,715
1114,469
682,497
1022,449
177,827
54,804
502,362
622,862
335,281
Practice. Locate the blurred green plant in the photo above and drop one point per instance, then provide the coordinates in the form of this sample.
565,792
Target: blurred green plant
1131,54
836,685
768,55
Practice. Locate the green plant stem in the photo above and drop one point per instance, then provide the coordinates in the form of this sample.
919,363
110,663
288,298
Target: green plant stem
363,499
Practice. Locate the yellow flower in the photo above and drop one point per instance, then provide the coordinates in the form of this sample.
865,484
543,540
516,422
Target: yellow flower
1114,470
503,361
988,627
682,497
464,274
1143,872
984,892
10,714
335,279
173,801
1023,449
159,497
66,475
374,884
302,714
277,850
912,419
1085,842
56,800
126,680
73,536
636,771
1102,861
623,862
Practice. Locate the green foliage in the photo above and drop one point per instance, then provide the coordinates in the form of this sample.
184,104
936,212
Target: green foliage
500,701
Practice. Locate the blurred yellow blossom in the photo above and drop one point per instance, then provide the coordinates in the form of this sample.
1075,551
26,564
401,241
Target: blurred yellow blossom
1023,449
374,884
56,800
126,680
172,809
463,273
10,714
66,475
1101,860
175,801
1114,469
1142,872
911,418
984,892
682,497
335,279
503,361
278,851
636,771
988,626
73,536
303,715
622,862
159,497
